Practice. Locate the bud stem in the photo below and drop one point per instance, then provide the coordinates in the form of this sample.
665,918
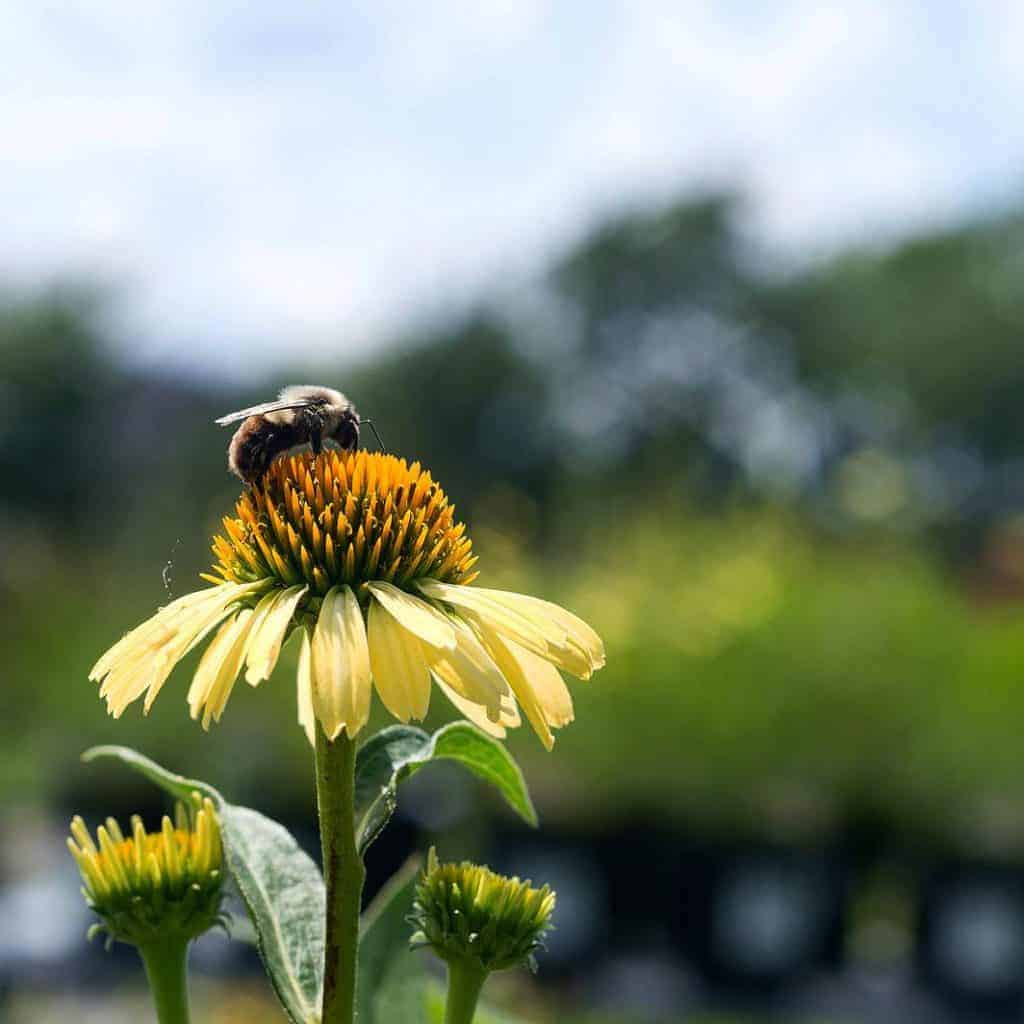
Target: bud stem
344,873
464,983
166,966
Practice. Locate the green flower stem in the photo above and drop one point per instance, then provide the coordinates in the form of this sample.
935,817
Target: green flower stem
464,983
344,873
166,966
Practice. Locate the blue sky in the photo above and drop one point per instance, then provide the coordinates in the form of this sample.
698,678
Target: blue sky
324,172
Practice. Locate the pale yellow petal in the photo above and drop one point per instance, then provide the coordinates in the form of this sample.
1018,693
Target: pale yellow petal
476,604
580,650
224,683
146,632
191,634
505,657
400,669
472,711
219,667
509,716
340,665
469,671
142,660
268,635
209,665
540,626
128,681
264,606
547,685
226,605
262,609
415,615
579,631
145,667
164,626
144,653
304,678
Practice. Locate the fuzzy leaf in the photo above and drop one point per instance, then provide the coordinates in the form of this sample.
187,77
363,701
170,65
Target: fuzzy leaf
280,885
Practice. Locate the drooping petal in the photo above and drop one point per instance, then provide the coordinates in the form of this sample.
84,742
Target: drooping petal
540,626
580,651
146,668
415,615
141,661
130,675
263,608
128,680
340,665
400,669
469,671
304,678
477,605
545,703
219,667
268,635
150,632
473,712
509,714
163,626
548,687
206,672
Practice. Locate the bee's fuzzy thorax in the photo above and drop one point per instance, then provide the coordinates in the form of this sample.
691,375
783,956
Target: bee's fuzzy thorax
298,392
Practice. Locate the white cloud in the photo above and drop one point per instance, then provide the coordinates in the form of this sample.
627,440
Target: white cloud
318,173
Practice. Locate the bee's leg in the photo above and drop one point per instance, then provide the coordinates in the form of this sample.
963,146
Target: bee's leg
314,425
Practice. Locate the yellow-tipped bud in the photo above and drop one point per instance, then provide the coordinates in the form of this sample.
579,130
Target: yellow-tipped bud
153,886
468,913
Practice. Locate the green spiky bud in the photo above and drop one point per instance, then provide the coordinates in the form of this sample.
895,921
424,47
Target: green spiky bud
153,887
469,914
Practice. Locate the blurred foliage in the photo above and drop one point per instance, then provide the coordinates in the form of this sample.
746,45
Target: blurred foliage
248,1003
51,384
937,320
735,475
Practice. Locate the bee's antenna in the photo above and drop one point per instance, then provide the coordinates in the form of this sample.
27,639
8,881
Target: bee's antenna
370,424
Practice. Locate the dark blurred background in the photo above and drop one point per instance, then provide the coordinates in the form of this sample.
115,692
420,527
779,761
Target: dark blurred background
735,374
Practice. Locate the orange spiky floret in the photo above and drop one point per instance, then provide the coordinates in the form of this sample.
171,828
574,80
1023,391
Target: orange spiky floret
344,517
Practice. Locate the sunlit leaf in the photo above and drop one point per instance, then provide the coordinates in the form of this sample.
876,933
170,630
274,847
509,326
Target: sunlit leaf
397,752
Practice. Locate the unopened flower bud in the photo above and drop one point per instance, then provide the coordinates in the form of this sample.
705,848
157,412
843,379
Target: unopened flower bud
469,914
157,886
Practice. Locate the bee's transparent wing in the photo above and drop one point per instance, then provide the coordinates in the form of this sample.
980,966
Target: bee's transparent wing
262,410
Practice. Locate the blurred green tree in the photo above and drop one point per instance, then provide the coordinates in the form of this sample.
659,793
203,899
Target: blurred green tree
54,377
938,320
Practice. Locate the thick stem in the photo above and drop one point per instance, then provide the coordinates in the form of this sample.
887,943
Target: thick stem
166,966
344,873
464,983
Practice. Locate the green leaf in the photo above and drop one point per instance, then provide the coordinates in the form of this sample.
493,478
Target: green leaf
391,984
280,885
489,759
399,751
379,764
